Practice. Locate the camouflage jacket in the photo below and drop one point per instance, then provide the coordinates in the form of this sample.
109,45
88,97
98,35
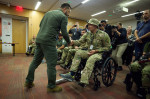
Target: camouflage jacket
100,41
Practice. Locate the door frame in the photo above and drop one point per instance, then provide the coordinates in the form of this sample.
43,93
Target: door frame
21,19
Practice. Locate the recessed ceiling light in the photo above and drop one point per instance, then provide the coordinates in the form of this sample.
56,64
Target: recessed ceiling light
128,3
98,13
37,5
85,1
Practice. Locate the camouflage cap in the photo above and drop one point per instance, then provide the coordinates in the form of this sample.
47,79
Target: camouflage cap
94,22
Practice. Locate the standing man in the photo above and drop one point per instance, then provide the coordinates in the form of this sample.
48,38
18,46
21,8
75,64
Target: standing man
142,34
51,24
107,27
75,31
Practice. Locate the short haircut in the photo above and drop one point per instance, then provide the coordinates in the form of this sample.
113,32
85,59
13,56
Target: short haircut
84,30
120,23
65,5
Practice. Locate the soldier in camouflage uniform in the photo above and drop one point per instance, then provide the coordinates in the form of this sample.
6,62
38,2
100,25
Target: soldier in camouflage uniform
69,52
32,46
61,44
141,73
97,41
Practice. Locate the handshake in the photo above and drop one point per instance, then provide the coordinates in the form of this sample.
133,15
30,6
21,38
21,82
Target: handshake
71,43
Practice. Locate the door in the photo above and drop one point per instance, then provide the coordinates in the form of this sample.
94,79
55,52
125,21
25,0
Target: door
19,35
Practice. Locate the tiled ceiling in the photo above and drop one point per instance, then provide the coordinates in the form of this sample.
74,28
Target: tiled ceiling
84,11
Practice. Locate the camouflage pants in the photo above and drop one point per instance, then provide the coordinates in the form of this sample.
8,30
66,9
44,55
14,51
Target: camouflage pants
65,52
136,67
87,71
32,46
59,51
33,49
70,55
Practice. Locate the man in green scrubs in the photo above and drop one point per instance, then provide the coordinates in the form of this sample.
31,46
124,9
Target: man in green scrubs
51,24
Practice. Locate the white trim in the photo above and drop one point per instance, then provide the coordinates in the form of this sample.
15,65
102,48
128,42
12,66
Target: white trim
26,35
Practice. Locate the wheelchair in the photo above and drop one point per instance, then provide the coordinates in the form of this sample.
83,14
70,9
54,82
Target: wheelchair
136,77
106,67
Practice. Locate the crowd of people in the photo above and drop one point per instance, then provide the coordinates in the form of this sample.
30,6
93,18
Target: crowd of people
89,43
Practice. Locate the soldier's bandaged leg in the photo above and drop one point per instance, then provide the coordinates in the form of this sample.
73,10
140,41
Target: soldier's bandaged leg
80,54
87,71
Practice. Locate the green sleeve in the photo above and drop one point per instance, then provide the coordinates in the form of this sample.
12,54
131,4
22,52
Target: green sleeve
147,47
64,29
64,42
81,40
106,44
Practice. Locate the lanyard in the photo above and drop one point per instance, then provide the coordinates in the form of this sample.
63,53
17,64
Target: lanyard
92,37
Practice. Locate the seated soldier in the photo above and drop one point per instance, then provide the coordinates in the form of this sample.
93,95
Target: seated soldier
32,46
69,52
141,72
97,42
61,43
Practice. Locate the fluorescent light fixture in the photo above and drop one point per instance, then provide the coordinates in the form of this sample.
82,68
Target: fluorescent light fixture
106,20
85,1
98,13
131,2
37,5
130,14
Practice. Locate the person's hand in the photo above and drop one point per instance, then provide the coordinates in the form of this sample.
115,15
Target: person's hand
71,43
138,40
92,52
76,47
115,30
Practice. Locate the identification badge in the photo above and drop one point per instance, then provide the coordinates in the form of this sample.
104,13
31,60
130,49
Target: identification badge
91,47
74,33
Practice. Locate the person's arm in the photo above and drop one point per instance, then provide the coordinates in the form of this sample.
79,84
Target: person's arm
137,37
106,46
81,40
145,36
64,29
62,47
136,34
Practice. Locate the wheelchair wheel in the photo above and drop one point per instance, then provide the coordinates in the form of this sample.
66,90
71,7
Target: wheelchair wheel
129,82
109,72
97,83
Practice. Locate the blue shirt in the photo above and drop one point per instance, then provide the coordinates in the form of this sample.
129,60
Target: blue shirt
75,33
144,30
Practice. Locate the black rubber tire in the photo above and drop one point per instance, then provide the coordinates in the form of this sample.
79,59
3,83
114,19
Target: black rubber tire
109,71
